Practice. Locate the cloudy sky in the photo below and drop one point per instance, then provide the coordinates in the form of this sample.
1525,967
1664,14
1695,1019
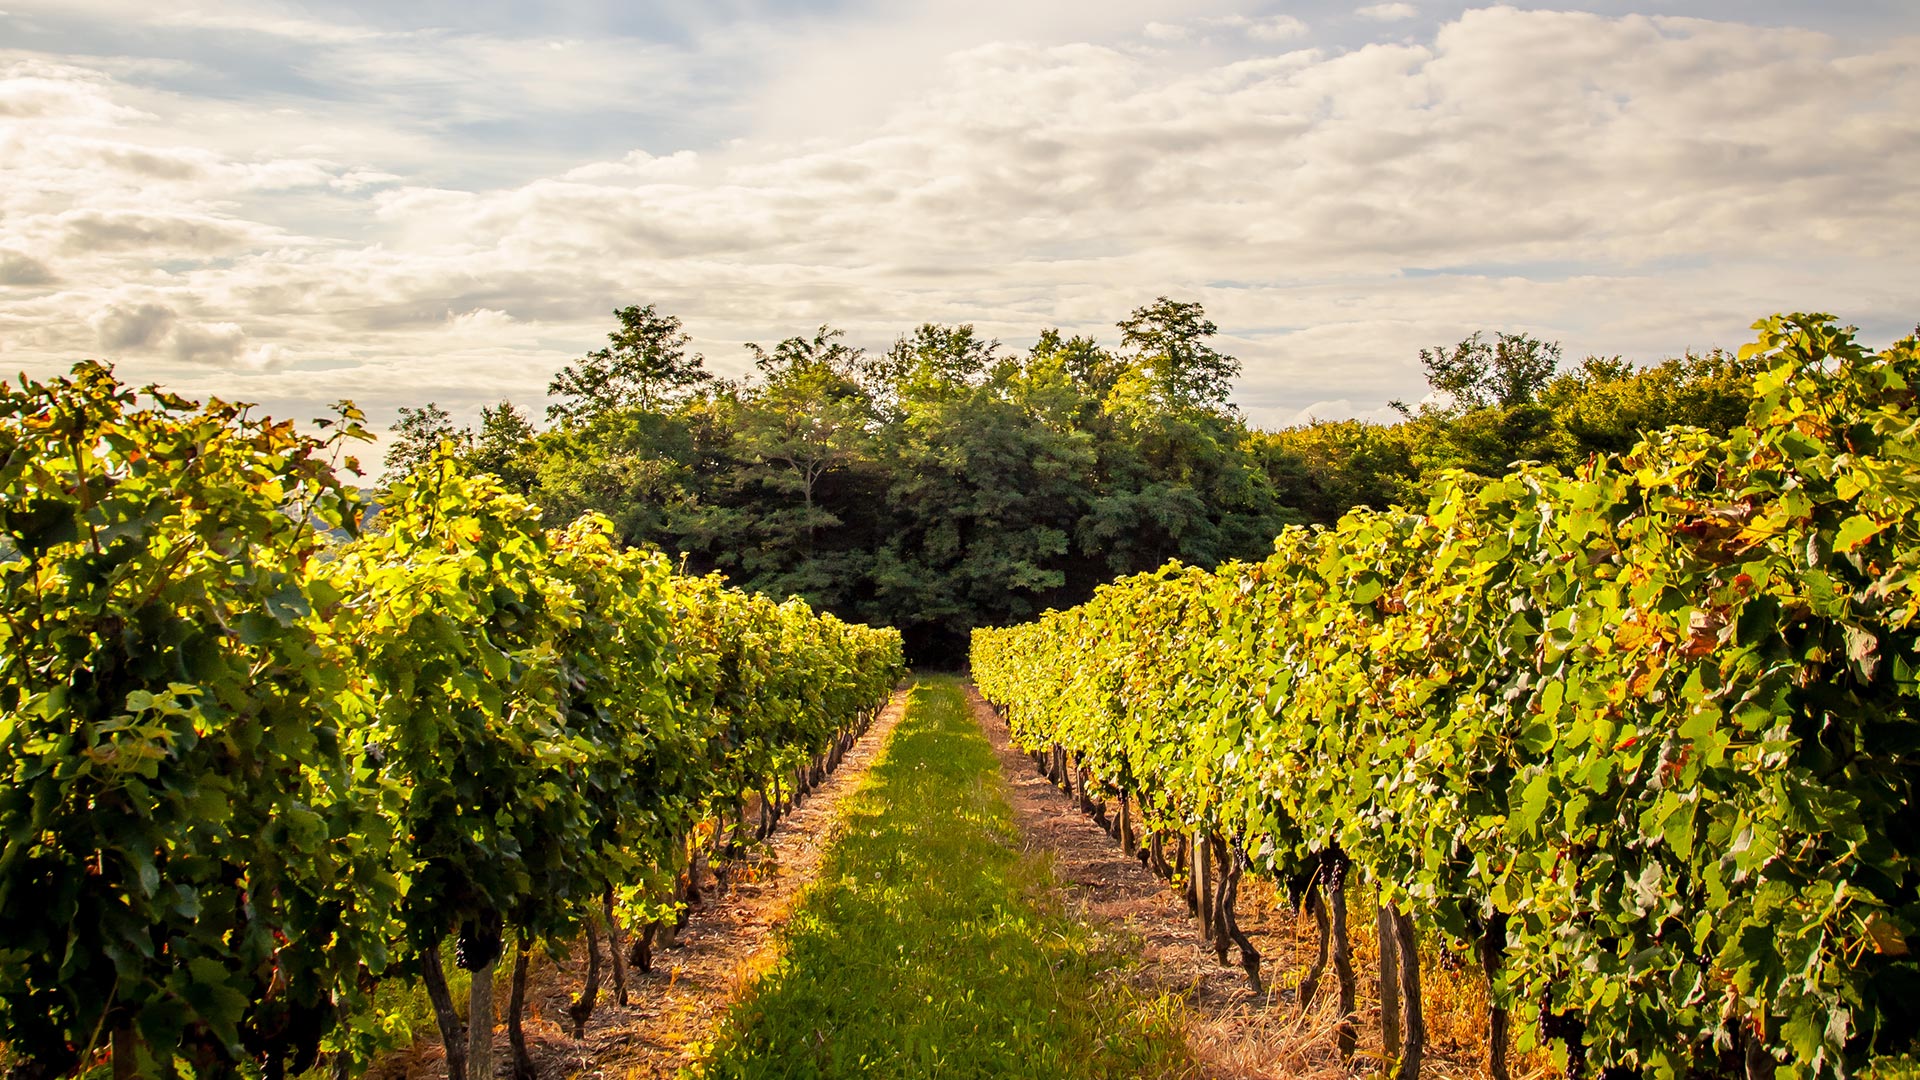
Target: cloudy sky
444,201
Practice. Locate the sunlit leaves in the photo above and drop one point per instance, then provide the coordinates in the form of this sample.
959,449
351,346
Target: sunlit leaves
1660,712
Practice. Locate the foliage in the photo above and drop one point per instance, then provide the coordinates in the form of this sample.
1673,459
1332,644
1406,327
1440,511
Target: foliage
1658,712
948,483
503,446
186,857
417,437
1169,343
252,771
933,487
1510,370
644,364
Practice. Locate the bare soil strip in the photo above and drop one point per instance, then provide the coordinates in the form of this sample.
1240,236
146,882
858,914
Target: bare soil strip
727,941
1231,1032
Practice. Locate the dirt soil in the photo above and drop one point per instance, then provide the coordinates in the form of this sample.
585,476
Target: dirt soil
1231,1031
726,944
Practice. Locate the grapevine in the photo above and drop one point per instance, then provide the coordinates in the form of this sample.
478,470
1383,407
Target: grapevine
1641,738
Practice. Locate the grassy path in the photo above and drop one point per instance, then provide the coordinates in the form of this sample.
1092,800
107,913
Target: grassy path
931,946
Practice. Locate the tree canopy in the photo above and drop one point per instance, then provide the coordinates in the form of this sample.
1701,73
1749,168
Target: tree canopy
949,482
644,365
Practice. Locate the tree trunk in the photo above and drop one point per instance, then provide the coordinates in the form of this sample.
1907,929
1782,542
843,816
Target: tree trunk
1389,984
1311,984
1234,860
582,1007
1203,884
1157,855
1413,1023
641,954
516,1012
695,858
1493,950
126,1051
1219,862
480,1022
615,952
453,1034
1336,895
1758,1062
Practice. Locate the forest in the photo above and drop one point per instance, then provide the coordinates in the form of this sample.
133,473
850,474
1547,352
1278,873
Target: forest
952,482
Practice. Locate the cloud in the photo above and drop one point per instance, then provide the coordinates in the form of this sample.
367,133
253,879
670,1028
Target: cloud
1271,28
1623,184
207,343
1276,28
1387,12
151,329
171,234
18,268
40,89
132,326
1337,410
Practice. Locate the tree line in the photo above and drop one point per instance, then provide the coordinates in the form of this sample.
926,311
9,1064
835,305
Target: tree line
950,482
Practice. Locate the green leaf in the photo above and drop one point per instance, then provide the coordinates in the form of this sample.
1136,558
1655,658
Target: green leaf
1855,532
1532,803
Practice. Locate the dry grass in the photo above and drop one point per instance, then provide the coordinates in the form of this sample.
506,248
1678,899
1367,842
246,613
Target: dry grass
1232,1032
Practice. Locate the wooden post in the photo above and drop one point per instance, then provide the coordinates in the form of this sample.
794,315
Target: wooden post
1413,1023
453,1036
1389,984
1336,896
480,1022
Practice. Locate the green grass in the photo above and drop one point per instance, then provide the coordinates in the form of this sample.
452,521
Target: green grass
931,946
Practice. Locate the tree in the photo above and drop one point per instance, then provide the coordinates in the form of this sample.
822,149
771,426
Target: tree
1169,343
808,418
824,349
1510,370
644,364
418,436
1093,369
505,446
950,354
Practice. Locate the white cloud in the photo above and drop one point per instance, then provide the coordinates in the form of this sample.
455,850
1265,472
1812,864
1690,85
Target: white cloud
20,269
1336,410
133,326
1276,28
1387,12
1630,184
1271,28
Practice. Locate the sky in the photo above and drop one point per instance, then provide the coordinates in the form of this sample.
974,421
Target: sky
435,201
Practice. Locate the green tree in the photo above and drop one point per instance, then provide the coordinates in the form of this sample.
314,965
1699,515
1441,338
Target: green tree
1510,370
645,364
505,446
953,355
417,437
1169,343
984,496
806,419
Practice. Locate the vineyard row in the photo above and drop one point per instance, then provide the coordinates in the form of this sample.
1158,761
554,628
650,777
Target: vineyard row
260,757
1637,741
